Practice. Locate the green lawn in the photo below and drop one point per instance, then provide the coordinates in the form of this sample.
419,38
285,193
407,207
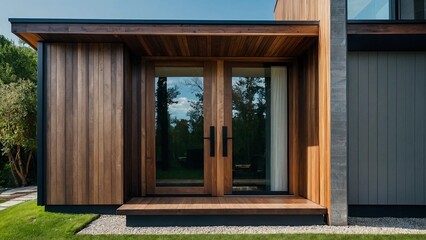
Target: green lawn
27,221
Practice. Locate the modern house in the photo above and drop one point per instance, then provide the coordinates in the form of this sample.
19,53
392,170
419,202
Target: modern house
318,114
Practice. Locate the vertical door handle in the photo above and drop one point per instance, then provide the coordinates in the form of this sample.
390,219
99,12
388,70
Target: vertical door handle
212,140
224,141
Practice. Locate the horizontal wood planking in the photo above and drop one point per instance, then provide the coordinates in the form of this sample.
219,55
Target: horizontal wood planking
250,205
219,46
386,28
196,46
85,124
387,134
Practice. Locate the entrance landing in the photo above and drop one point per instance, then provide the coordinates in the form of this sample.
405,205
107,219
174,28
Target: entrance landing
229,205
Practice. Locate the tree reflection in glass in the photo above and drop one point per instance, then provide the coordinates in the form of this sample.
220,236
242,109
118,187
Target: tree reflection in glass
179,129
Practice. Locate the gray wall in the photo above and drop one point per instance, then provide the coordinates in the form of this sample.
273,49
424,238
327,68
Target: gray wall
339,208
386,128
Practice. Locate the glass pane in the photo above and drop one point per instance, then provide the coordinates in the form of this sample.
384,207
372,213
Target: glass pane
179,126
250,130
259,130
412,9
369,9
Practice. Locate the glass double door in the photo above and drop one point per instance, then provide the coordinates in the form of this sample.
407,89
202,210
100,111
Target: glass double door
210,130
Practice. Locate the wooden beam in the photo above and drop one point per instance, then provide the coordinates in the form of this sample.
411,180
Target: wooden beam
168,29
382,28
226,59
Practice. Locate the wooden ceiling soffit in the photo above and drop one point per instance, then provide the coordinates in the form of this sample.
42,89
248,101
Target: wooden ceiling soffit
249,38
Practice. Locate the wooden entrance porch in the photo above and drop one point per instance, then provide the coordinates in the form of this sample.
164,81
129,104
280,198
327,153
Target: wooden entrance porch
228,205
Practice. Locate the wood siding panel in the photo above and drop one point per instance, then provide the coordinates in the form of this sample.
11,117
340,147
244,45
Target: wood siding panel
304,127
84,155
132,128
390,127
316,10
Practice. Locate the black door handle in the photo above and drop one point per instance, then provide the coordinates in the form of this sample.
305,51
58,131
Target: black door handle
224,141
212,140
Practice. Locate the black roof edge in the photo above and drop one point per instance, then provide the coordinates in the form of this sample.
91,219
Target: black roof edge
386,21
158,21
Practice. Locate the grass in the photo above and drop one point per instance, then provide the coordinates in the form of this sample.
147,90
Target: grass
28,221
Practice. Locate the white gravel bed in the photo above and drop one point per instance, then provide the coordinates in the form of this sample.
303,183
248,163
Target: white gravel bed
113,224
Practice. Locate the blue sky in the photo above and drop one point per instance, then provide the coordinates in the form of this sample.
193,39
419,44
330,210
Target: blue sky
135,9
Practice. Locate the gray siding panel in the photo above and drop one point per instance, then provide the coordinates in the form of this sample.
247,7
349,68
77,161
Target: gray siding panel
392,116
363,186
386,128
382,128
400,129
372,127
353,129
420,127
410,127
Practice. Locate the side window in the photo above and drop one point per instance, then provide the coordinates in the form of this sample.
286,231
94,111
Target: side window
412,9
386,9
369,9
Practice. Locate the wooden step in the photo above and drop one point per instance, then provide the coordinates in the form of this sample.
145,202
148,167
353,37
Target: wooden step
229,205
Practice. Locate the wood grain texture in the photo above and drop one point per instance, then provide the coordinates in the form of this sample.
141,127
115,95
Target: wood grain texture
316,10
219,164
276,45
293,123
209,118
386,28
304,160
85,118
166,30
132,127
150,128
211,46
248,205
228,123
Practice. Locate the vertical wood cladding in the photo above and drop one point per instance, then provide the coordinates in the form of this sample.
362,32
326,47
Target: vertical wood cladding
84,124
300,10
304,127
386,128
132,127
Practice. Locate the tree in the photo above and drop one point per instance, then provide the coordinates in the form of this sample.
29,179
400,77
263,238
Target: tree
165,97
16,62
18,110
249,112
18,74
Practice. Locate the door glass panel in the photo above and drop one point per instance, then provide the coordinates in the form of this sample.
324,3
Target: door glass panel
254,132
179,126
